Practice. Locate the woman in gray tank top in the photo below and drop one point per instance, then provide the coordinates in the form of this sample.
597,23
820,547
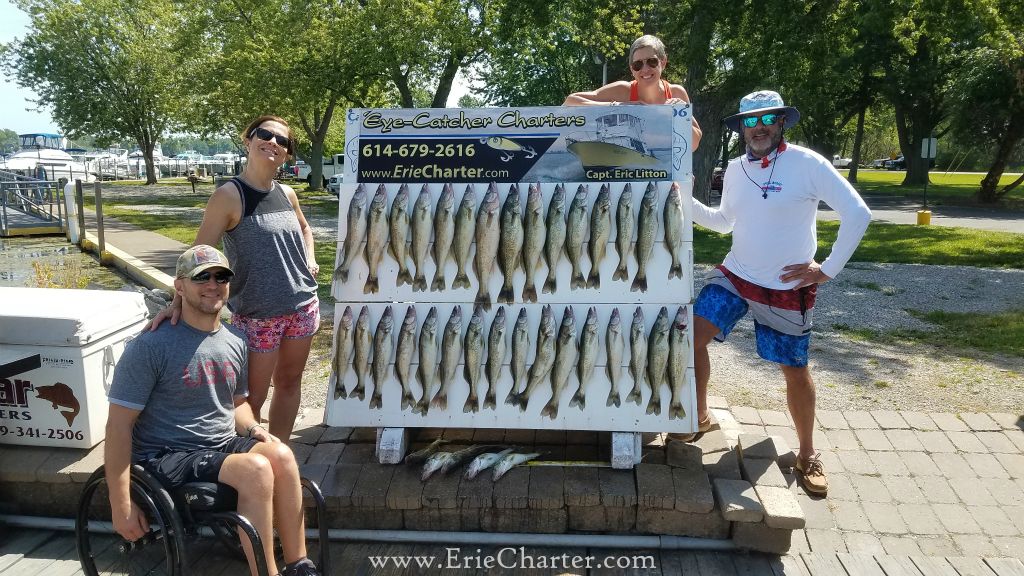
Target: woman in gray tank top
273,293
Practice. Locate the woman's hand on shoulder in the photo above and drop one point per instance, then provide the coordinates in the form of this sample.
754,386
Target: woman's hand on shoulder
172,312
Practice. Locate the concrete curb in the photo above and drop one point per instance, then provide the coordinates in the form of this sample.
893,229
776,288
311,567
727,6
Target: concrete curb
136,269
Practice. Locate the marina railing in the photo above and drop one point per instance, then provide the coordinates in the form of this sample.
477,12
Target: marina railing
43,199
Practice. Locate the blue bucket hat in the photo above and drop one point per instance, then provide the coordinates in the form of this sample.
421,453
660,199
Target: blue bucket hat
758,102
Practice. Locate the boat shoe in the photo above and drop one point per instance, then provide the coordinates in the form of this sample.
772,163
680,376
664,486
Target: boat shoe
706,425
812,475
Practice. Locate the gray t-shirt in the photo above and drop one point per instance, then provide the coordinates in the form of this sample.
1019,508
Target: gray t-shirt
184,381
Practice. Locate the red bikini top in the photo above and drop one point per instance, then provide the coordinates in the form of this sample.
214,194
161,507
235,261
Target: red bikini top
634,91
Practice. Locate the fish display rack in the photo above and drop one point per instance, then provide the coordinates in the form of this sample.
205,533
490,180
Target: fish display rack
416,348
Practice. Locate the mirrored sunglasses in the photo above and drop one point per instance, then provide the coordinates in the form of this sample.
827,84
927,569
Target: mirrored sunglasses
638,65
222,277
766,119
268,136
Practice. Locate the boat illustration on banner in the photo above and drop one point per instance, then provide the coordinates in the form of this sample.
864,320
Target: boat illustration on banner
616,143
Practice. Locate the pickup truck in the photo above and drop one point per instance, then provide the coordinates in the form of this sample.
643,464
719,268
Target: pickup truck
331,166
840,162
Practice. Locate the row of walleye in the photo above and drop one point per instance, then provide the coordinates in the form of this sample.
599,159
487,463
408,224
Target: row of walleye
483,458
509,235
656,358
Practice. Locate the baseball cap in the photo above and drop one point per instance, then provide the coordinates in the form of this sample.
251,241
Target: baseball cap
199,258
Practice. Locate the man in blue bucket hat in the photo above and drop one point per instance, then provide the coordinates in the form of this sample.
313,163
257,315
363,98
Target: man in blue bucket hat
769,203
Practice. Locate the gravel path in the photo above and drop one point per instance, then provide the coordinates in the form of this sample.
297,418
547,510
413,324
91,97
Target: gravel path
850,373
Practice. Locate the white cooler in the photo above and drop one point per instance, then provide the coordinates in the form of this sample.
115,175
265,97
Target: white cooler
57,354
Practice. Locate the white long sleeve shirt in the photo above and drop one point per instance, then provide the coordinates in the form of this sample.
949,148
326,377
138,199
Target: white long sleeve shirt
771,212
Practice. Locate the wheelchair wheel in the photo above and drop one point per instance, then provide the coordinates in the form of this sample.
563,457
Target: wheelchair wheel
102,551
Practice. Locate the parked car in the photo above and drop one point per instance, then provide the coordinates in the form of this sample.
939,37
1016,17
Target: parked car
879,162
334,184
840,162
899,163
717,179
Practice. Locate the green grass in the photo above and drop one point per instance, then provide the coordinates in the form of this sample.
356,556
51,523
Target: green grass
955,189
900,244
1001,333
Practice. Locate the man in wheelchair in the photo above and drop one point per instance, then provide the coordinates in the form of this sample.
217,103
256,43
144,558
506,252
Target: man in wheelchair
177,407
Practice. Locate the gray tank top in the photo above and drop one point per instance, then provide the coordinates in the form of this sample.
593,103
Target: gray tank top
268,255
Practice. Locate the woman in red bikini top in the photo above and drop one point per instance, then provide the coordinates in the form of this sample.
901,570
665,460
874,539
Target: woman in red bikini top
647,60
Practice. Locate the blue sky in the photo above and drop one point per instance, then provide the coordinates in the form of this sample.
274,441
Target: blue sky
14,99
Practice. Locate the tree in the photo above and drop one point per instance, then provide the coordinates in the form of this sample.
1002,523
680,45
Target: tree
300,61
424,43
8,140
928,40
103,68
541,52
990,98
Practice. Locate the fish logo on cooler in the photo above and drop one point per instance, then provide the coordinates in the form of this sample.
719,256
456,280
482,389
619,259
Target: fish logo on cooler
60,396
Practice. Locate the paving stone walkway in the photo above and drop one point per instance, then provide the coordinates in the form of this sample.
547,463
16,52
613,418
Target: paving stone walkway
910,483
910,492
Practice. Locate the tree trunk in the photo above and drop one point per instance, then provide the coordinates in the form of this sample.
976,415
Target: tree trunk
989,193
147,154
402,83
444,81
858,139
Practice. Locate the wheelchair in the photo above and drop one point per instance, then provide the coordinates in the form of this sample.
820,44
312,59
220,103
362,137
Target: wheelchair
176,519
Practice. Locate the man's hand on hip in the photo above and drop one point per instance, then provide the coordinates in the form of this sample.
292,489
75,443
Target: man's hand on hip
804,274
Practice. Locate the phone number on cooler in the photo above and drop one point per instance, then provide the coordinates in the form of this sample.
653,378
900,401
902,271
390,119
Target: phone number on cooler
50,433
419,150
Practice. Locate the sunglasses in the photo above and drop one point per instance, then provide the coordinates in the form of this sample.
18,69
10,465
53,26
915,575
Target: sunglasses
638,65
766,119
220,277
268,136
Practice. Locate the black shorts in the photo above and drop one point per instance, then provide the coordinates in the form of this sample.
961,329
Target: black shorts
174,468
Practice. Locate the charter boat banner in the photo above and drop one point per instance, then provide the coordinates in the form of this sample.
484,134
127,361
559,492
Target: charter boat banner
544,144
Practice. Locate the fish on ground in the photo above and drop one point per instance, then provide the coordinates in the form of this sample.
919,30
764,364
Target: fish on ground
398,224
520,348
555,241
446,461
462,240
376,238
488,232
444,231
587,360
575,233
381,356
566,353
361,360
678,358
544,357
420,456
495,358
483,462
674,230
657,360
623,231
427,367
647,228
510,243
510,461
638,355
600,233
451,350
420,225
614,348
355,233
534,231
474,352
403,356
342,352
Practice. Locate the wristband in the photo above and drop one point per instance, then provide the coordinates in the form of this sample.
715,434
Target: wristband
248,431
